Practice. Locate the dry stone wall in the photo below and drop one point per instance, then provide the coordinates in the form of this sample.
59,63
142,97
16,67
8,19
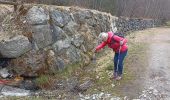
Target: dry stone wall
60,36
126,24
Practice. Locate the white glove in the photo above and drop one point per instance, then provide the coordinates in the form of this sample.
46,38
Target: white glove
121,42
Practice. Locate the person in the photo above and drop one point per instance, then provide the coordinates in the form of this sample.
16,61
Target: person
119,46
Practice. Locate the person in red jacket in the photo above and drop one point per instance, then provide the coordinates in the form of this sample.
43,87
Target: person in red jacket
119,46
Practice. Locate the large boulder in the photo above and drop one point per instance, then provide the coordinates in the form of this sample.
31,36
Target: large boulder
60,45
15,46
57,33
37,15
30,64
60,18
71,28
42,35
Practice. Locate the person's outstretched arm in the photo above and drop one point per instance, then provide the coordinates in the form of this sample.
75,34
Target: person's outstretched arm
100,46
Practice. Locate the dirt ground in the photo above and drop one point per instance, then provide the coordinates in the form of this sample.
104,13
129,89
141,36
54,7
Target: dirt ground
158,72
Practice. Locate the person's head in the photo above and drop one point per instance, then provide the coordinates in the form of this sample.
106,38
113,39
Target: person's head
103,36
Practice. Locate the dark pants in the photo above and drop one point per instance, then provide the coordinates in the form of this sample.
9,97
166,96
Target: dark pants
119,69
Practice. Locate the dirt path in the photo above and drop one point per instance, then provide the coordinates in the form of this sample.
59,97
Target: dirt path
157,79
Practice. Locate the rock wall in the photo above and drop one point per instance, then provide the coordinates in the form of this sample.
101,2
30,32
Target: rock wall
126,24
56,37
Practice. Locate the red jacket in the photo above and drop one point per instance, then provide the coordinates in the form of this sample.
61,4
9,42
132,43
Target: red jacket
116,45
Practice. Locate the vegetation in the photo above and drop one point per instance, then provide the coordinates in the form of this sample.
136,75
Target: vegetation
158,9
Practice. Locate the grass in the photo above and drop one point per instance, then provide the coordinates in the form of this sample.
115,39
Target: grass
44,81
168,23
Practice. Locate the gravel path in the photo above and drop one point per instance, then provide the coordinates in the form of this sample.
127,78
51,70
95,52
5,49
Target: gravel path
157,81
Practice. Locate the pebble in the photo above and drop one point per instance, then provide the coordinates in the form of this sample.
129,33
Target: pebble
99,96
155,92
113,85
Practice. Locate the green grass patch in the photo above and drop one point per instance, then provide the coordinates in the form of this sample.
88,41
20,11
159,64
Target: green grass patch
44,81
168,23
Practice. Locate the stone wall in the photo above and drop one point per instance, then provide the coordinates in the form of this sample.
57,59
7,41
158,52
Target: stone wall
126,24
55,37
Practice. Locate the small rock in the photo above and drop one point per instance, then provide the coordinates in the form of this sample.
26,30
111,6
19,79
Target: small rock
80,95
144,95
85,85
28,85
115,98
101,94
155,92
87,98
4,73
151,88
113,85
11,91
150,92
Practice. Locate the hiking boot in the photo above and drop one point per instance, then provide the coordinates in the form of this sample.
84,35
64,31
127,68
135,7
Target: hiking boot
114,76
118,78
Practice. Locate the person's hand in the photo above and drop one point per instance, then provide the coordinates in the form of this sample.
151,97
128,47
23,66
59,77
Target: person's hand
121,42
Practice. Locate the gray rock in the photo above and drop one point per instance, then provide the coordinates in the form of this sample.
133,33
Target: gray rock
12,91
28,85
4,73
36,15
100,96
15,46
61,44
155,92
60,18
72,83
71,28
83,87
73,54
60,64
57,33
82,16
77,40
42,35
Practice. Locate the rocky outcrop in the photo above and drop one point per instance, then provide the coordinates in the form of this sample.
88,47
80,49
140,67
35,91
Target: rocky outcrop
60,36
